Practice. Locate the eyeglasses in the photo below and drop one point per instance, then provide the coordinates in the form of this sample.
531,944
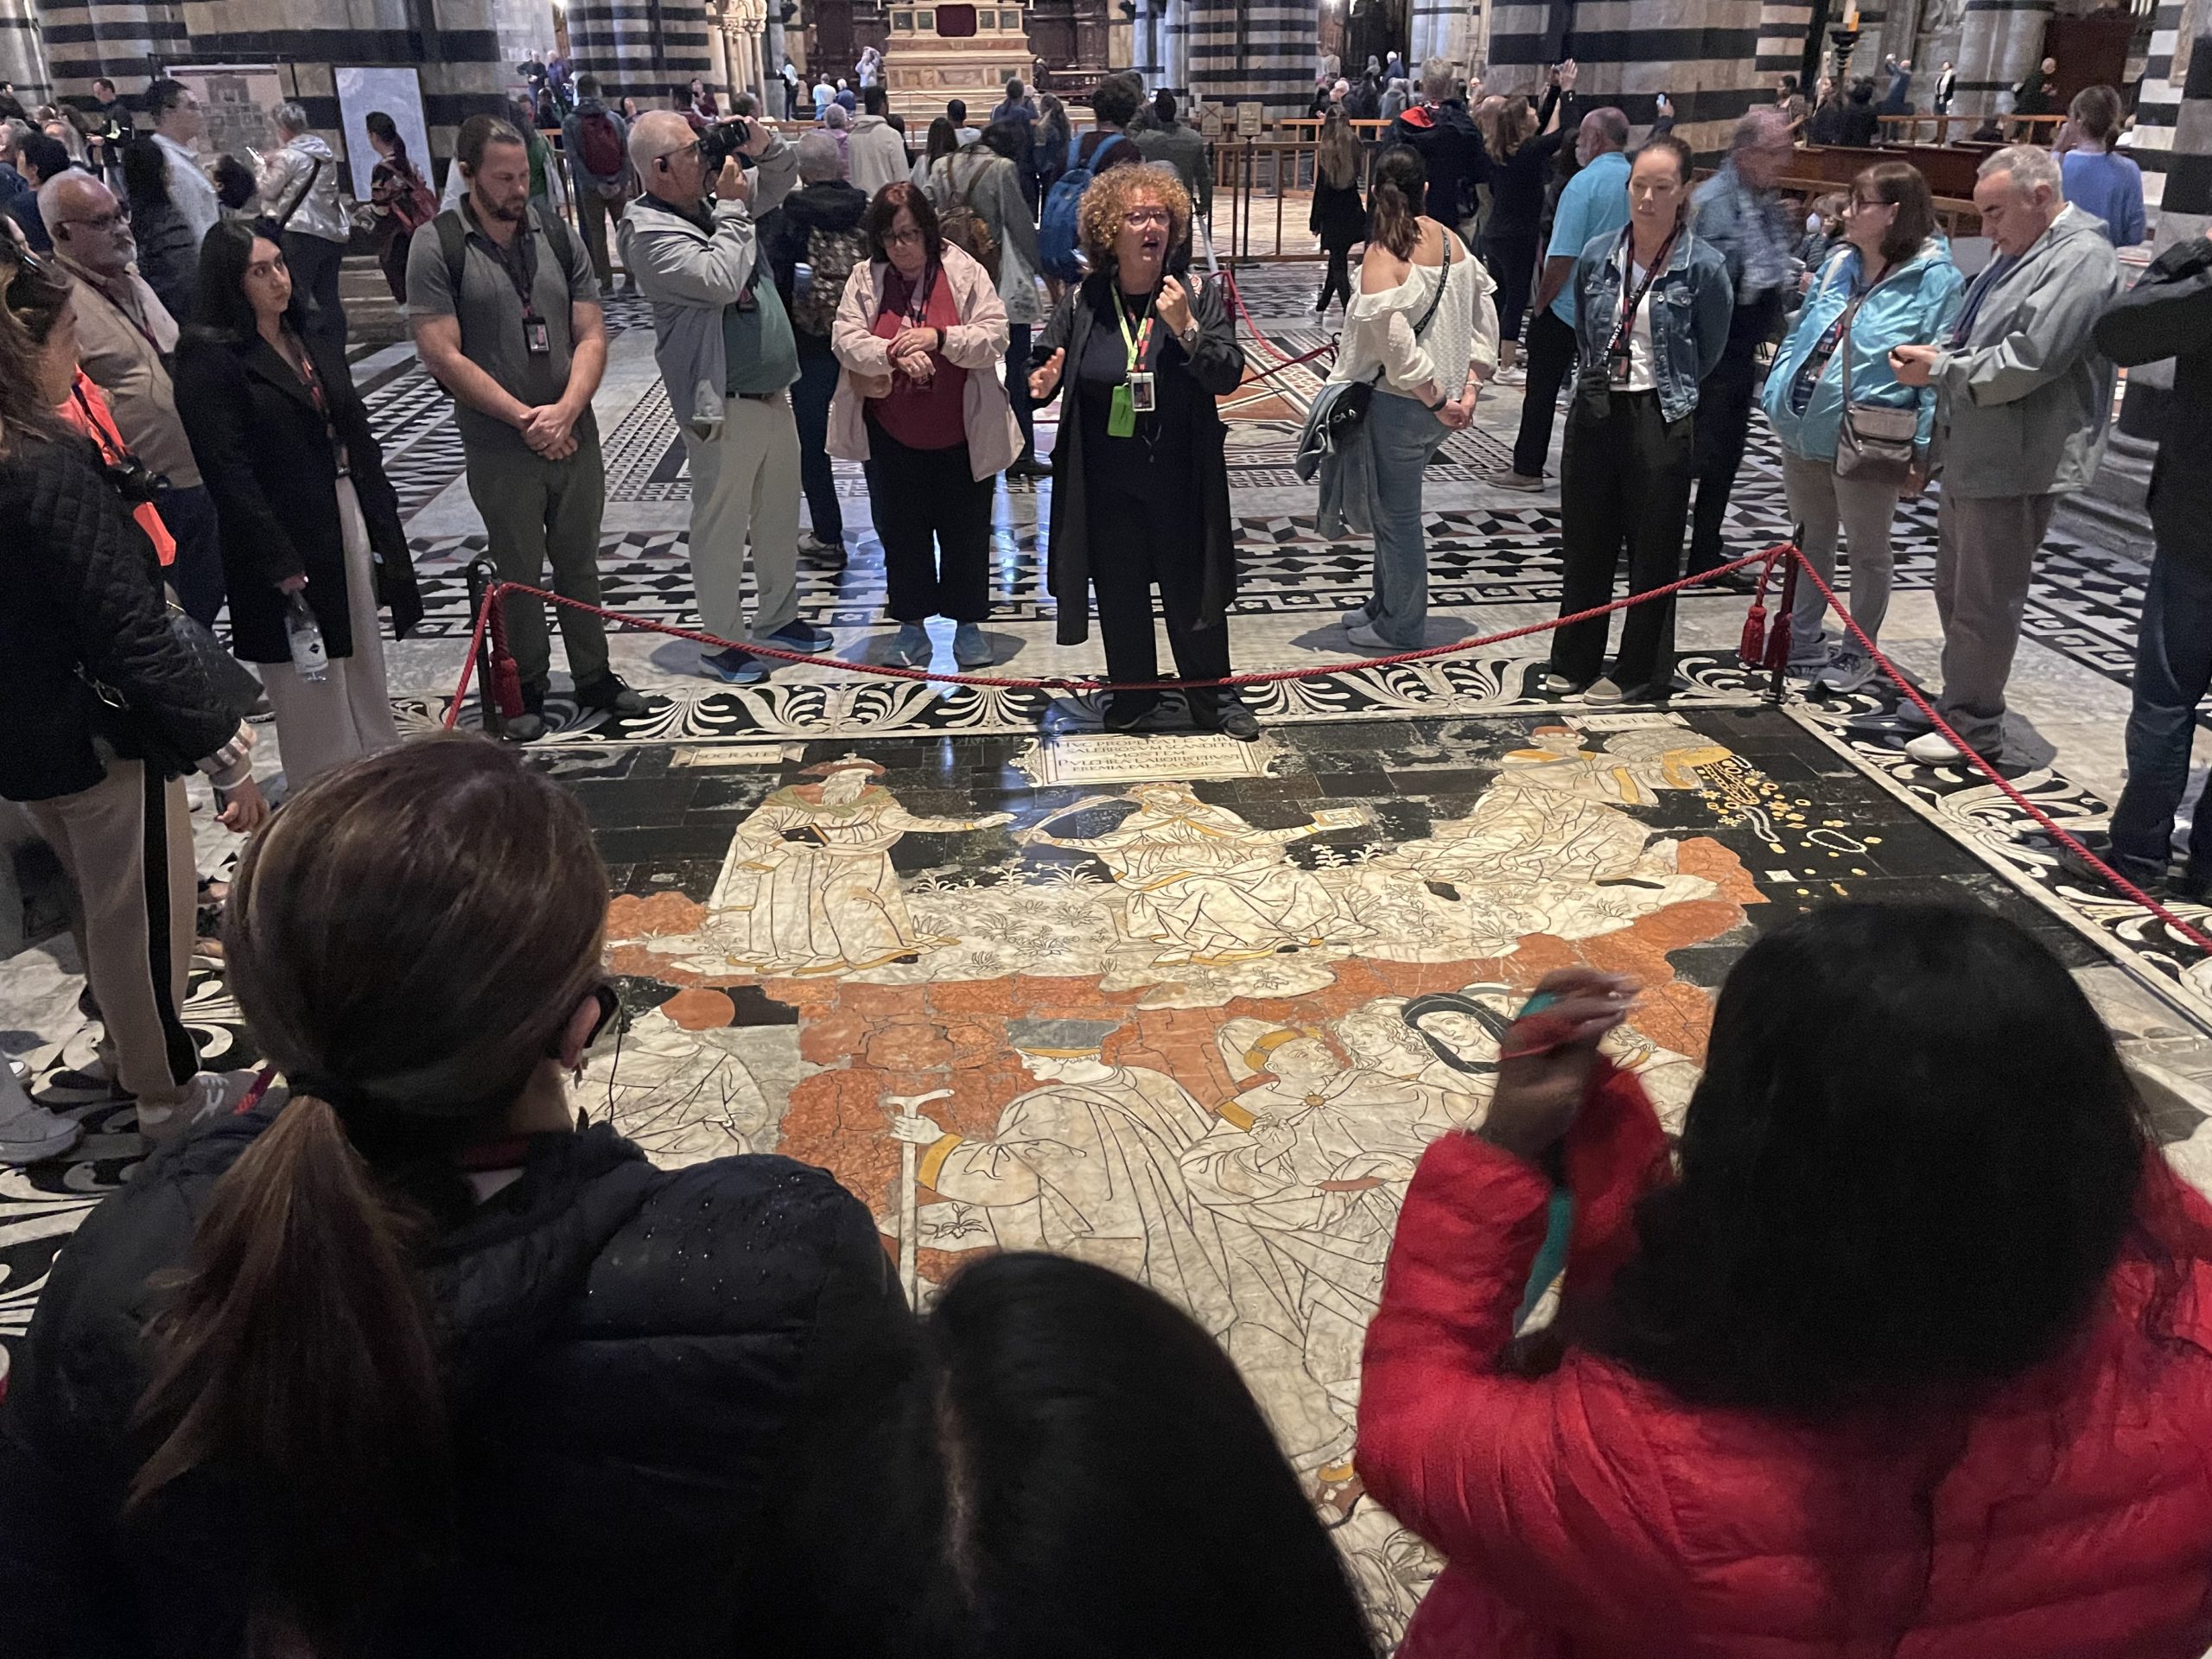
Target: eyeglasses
901,238
114,220
670,158
1140,219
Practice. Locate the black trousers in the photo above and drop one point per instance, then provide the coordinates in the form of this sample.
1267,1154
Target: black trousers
1338,280
1624,486
314,264
921,496
1137,541
1551,365
1511,257
1724,426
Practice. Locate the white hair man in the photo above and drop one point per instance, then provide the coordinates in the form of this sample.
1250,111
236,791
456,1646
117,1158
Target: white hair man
298,190
2022,399
725,347
125,338
178,122
1739,211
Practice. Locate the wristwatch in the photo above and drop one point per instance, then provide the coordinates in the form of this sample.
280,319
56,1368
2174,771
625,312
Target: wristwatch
1189,337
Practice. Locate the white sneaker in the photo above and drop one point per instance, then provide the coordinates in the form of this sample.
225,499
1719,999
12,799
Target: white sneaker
1604,692
29,1133
1516,375
1558,686
1367,639
1845,671
1933,749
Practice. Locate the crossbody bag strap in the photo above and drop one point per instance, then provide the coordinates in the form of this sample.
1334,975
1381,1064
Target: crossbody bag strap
313,173
1443,282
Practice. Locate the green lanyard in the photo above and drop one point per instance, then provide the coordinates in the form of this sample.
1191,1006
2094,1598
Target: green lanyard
1122,416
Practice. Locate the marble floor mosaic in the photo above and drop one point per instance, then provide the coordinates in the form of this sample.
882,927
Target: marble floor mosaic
1184,1006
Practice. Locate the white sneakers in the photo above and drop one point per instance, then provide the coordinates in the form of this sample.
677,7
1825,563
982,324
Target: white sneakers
28,1132
1933,749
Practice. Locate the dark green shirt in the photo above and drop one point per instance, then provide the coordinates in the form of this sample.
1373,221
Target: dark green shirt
761,353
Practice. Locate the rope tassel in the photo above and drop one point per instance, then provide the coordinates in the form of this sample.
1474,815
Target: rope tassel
507,678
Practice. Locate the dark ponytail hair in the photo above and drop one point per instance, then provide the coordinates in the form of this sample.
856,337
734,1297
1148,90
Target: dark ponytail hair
408,941
1396,199
381,126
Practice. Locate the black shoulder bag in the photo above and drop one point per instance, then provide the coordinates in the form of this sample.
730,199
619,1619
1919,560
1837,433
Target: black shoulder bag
1348,411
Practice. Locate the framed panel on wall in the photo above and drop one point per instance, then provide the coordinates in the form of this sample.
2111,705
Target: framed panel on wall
399,93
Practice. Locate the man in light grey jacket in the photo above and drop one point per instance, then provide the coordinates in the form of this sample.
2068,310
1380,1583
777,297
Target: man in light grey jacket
726,349
2023,401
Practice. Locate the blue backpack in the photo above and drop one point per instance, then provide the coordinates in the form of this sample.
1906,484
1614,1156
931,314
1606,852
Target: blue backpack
1059,243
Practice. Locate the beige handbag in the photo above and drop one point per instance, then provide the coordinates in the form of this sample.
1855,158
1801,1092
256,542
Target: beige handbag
1875,441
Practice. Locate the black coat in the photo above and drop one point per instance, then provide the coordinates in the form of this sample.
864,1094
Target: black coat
85,593
1452,150
2169,314
1339,217
1217,366
263,453
628,1351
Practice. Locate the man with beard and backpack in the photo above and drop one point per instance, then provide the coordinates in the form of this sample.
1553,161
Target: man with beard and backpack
597,142
818,226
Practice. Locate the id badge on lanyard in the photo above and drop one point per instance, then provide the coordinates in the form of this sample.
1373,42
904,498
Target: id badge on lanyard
536,337
1620,355
1139,393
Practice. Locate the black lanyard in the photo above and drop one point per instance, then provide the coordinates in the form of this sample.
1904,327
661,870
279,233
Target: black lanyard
1651,275
519,260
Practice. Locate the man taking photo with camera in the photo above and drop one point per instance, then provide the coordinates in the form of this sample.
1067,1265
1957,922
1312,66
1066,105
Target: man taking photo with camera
726,349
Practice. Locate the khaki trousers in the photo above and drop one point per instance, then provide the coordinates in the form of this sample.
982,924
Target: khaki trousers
744,491
126,843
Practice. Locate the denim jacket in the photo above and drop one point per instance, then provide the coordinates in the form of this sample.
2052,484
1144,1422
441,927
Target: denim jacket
1753,230
1691,305
1915,304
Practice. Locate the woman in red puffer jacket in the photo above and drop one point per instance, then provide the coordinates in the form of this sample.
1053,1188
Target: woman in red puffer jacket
1914,1358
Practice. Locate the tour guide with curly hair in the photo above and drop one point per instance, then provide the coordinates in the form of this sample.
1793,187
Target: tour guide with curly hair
1141,486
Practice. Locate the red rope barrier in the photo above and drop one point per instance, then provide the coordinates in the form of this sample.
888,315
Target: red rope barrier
1237,303
1092,682
2120,882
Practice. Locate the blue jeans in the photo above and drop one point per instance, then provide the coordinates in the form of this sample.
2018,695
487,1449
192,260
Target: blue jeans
1404,435
2173,671
811,394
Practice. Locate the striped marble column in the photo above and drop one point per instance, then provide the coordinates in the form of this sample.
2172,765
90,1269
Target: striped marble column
1446,29
1259,49
87,39
1147,44
22,52
1781,48
1702,54
640,51
464,61
2186,212
2159,101
1175,45
2001,41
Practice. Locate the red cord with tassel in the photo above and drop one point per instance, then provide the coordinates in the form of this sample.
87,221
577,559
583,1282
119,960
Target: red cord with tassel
1752,648
507,678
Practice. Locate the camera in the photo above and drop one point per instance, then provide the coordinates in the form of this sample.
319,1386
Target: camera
134,481
723,140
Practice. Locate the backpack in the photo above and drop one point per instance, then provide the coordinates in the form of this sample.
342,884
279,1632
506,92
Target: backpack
413,205
831,256
598,142
962,226
1060,242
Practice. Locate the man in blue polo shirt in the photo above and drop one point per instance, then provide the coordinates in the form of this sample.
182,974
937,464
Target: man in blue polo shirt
1594,203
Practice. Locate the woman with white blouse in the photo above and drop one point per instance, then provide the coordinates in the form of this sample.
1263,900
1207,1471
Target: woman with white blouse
1423,331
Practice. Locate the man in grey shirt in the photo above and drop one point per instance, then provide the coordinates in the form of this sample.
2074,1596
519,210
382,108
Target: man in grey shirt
1169,141
520,341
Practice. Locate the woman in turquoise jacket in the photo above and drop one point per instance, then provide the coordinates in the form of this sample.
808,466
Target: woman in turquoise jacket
1895,279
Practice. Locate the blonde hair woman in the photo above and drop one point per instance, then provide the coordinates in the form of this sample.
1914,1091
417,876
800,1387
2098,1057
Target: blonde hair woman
1140,482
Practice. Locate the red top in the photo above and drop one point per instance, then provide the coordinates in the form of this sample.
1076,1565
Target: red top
921,417
86,409
1590,1512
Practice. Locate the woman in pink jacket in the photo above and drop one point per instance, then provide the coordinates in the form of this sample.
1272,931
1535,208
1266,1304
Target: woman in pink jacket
919,336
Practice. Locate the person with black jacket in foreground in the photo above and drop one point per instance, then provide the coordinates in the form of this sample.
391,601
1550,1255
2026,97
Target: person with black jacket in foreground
413,1363
1141,476
106,708
2169,314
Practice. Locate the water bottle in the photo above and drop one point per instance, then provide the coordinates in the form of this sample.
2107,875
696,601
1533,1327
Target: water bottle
309,660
